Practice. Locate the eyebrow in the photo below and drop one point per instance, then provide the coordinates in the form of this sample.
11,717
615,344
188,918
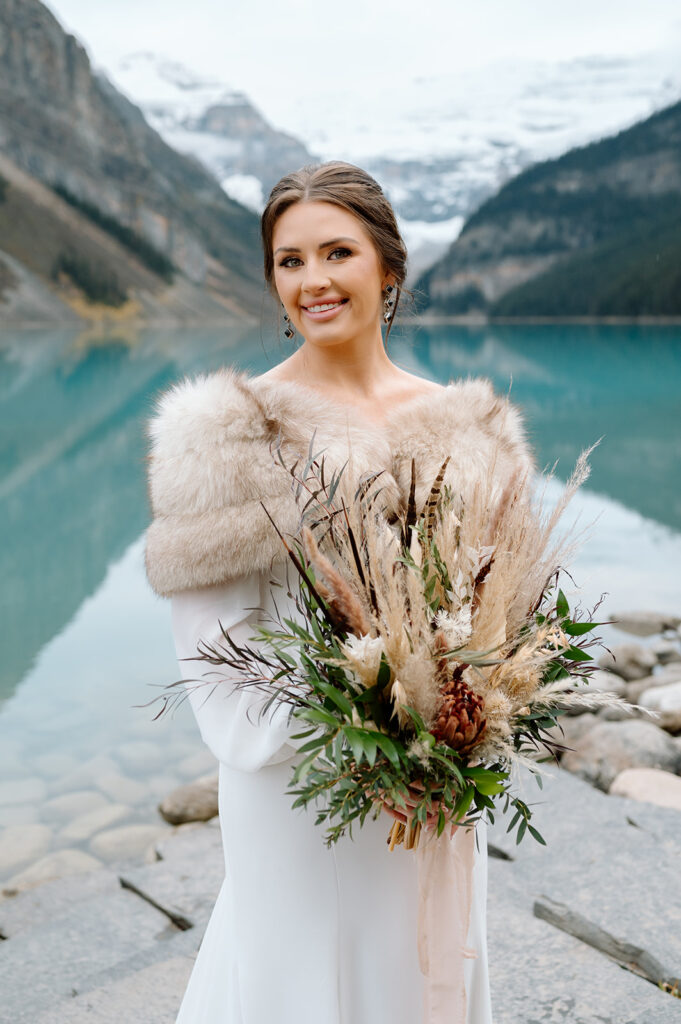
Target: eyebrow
324,245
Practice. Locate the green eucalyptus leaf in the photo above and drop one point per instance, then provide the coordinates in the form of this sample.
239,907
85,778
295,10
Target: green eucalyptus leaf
356,741
389,749
488,788
537,835
580,628
576,654
562,606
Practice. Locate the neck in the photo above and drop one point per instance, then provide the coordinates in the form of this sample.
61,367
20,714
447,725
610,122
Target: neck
350,367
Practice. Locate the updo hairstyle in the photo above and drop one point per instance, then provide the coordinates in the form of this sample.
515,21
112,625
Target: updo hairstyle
352,189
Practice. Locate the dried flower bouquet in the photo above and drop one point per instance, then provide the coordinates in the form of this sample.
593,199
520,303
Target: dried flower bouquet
433,650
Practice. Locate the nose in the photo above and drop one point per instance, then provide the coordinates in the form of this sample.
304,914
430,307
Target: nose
315,277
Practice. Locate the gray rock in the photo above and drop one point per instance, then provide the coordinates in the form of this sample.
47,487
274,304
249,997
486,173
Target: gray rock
20,844
57,864
602,681
195,839
631,661
670,721
159,785
571,728
184,885
85,775
150,995
617,878
616,713
22,791
650,785
608,682
666,652
56,762
140,756
569,982
37,907
21,814
197,801
122,789
631,956
86,825
666,676
125,841
662,698
610,747
72,805
198,763
645,623
41,966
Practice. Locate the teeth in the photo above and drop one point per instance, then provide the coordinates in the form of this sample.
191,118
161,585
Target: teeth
320,309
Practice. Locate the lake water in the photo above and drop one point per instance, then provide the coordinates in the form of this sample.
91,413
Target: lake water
84,639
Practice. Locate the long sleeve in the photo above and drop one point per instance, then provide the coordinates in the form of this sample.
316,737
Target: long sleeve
228,718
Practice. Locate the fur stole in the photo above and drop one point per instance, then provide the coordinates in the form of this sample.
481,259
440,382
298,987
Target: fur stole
211,463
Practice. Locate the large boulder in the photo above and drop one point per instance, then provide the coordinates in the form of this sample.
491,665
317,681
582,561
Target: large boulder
645,623
604,682
631,661
571,728
609,747
662,698
20,844
666,676
649,785
666,652
197,801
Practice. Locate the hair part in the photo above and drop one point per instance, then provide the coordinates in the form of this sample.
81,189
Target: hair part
352,189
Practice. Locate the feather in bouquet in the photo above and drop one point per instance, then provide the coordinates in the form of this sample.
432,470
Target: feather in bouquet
432,650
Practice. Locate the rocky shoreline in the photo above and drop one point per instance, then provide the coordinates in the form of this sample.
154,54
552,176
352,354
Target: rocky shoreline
134,906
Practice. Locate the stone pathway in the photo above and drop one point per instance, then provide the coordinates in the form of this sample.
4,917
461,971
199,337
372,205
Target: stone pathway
580,932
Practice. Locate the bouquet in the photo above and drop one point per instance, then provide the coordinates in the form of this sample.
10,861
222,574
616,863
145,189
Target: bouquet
433,650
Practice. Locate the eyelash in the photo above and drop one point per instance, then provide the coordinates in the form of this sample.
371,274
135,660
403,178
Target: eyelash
285,261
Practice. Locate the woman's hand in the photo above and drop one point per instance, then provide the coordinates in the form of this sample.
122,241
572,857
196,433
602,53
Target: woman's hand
414,793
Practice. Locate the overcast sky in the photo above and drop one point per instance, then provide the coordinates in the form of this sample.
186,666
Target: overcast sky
261,46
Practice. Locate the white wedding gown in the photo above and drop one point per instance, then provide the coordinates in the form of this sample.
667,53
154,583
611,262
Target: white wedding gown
300,934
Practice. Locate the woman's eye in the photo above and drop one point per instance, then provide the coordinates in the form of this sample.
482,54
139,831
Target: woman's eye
344,252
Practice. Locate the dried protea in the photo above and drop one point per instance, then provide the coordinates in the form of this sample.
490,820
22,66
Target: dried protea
363,657
460,722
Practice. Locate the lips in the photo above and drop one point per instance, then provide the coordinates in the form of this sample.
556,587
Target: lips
326,314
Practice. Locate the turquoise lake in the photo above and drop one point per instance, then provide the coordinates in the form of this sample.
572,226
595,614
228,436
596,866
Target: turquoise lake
84,640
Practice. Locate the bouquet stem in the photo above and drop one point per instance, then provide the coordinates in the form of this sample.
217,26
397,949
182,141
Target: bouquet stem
399,834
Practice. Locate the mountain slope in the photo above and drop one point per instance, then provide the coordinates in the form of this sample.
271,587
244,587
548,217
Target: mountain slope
71,130
200,115
595,232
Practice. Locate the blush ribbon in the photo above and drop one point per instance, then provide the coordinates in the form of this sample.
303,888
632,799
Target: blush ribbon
445,886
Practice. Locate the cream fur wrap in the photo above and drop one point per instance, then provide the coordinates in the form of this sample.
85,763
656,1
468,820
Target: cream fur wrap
211,463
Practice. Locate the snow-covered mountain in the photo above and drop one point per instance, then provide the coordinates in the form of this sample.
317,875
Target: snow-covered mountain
209,120
439,147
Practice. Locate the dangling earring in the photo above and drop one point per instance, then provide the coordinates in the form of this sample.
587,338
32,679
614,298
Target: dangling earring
388,304
289,330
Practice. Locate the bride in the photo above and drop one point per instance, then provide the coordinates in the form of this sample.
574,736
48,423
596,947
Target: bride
302,933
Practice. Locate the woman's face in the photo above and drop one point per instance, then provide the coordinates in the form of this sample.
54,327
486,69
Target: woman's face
323,255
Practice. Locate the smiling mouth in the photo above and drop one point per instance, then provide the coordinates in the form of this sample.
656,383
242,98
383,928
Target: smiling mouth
323,307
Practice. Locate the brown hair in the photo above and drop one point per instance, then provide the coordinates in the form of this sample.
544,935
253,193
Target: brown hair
352,189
